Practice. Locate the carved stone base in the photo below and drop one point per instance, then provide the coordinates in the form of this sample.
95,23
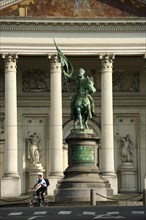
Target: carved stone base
128,177
10,186
33,171
82,174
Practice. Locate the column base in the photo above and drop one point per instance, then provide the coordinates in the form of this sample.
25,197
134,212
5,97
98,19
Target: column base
144,182
112,178
10,186
53,179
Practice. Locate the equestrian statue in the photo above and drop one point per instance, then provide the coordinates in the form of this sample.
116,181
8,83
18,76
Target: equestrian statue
82,103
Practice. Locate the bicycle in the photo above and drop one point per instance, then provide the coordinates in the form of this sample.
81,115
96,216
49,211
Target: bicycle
35,202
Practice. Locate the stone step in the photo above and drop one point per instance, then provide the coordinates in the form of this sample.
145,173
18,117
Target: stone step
129,199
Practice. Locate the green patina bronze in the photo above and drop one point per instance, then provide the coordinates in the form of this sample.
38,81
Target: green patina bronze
82,103
83,154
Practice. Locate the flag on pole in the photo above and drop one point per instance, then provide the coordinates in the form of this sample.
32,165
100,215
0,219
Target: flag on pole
67,67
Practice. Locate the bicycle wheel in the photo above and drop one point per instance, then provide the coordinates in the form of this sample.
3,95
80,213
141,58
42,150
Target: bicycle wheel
31,203
44,204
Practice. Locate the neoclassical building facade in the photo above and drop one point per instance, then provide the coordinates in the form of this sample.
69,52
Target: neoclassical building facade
106,38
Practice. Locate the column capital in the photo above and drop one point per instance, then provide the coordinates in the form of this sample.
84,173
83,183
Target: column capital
53,58
107,60
55,63
10,61
10,57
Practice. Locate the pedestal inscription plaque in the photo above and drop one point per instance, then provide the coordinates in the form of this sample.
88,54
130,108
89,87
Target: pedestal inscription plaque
83,154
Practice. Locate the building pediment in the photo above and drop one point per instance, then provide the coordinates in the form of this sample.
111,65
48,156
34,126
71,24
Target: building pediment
73,8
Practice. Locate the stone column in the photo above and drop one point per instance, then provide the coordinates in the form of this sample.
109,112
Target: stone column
55,125
144,187
107,148
10,183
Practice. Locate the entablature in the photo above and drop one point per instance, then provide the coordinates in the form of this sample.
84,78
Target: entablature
76,25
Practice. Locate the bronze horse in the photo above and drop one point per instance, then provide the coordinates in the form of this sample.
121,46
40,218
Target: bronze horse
84,104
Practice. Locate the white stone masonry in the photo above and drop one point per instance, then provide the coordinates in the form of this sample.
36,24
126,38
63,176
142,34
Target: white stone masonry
107,161
10,183
55,128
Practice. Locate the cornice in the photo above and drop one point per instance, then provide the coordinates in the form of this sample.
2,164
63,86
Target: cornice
72,25
6,3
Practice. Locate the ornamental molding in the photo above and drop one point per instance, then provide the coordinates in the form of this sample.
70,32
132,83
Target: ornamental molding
9,2
80,25
6,3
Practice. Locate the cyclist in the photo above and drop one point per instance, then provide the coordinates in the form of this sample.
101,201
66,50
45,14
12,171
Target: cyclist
41,187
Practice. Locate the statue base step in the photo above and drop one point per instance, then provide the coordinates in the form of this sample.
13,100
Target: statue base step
76,187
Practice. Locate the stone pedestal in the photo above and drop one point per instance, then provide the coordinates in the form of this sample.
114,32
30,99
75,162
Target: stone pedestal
128,177
33,171
82,174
